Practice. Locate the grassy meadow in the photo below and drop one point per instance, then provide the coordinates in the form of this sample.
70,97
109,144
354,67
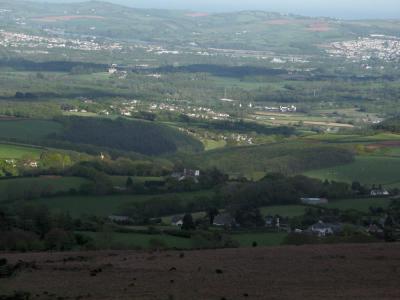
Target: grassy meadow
284,210
28,129
137,240
365,169
362,204
23,187
104,206
8,151
145,241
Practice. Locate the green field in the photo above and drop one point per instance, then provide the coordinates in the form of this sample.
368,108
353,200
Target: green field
22,187
121,180
106,205
365,169
16,152
135,240
284,210
287,157
262,239
353,138
212,144
362,205
28,130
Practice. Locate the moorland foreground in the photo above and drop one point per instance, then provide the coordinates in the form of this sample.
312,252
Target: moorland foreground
304,272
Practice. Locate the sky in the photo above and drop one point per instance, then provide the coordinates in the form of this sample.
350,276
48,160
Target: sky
346,9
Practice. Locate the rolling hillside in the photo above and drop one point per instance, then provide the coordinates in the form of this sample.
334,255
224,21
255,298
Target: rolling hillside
287,158
250,30
86,134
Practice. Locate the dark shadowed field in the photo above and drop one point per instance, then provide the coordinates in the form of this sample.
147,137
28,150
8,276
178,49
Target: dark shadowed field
306,272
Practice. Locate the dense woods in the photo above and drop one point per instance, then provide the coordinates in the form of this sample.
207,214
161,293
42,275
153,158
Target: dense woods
133,136
391,124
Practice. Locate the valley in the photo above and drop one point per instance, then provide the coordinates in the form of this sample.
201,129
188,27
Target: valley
158,130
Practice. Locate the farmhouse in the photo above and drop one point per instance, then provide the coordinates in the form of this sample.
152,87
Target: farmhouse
177,221
322,229
113,69
314,201
269,221
120,219
11,162
375,230
32,164
224,219
187,173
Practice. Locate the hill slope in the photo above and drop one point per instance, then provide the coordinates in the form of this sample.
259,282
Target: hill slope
251,30
133,136
286,158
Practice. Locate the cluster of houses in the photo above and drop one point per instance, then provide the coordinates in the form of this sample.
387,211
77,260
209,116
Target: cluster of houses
187,174
115,70
127,108
280,108
273,223
381,192
382,47
22,40
27,164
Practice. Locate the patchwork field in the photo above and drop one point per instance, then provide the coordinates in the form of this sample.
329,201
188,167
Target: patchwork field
305,272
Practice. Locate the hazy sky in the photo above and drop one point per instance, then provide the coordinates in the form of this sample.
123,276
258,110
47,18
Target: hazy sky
332,8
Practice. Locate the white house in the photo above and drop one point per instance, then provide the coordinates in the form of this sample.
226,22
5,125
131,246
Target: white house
324,229
177,221
314,201
379,192
224,219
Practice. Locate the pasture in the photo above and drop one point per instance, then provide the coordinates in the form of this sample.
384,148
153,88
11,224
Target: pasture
362,204
137,240
213,144
283,210
28,130
145,241
121,180
27,187
286,157
365,169
354,138
8,151
104,206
